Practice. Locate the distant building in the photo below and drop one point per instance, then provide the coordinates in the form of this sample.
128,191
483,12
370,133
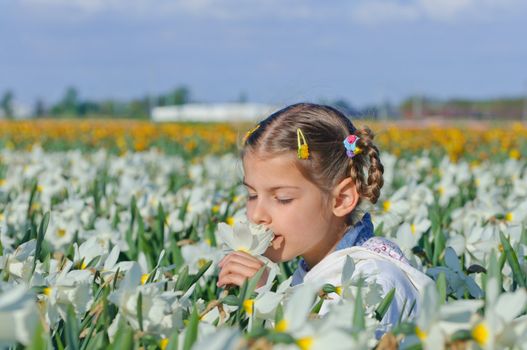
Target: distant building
212,112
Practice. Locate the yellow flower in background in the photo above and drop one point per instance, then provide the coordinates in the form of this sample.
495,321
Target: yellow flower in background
514,154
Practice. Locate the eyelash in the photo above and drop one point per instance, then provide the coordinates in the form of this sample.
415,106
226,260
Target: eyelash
281,201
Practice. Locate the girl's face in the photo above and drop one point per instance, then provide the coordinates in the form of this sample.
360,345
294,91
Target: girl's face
295,209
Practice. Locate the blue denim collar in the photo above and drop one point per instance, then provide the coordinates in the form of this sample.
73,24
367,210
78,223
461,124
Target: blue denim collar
355,236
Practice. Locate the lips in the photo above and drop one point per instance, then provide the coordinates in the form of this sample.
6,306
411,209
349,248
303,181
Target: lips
277,241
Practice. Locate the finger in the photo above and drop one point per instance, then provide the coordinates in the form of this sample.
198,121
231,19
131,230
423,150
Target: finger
246,259
223,260
237,268
232,279
226,258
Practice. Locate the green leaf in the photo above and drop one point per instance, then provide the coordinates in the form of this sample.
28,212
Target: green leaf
193,279
182,280
231,300
39,340
317,307
191,333
383,306
441,286
140,310
461,335
40,238
88,337
281,338
124,338
34,187
279,316
512,259
359,322
72,330
439,246
173,341
252,282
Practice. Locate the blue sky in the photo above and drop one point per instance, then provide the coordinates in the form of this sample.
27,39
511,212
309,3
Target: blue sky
275,51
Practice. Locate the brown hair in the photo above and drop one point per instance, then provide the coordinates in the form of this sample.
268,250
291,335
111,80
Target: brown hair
325,129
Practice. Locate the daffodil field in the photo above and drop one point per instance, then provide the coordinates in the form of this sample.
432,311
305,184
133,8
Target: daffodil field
110,233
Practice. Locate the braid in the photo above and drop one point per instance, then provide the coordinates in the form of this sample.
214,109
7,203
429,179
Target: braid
367,162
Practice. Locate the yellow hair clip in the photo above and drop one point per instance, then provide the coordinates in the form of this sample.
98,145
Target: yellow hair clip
303,150
250,132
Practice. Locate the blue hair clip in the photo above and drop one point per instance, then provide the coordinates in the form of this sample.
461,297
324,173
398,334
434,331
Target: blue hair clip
350,143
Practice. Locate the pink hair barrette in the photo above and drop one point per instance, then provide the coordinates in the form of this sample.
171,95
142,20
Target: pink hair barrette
350,143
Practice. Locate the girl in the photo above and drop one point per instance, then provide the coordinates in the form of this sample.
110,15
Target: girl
311,176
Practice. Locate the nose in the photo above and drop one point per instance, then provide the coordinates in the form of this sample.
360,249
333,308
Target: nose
258,213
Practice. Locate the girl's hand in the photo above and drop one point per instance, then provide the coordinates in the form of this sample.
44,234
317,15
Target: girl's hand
238,266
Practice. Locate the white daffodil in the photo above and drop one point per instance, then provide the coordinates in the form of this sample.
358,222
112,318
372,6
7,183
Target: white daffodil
437,322
223,338
106,234
18,265
297,307
266,302
18,315
197,255
161,310
409,234
501,327
61,231
244,236
68,288
394,210
90,250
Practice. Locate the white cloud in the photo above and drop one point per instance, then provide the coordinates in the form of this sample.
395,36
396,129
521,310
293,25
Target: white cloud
360,11
380,11
217,9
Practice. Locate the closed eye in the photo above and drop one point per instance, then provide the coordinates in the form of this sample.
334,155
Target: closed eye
284,201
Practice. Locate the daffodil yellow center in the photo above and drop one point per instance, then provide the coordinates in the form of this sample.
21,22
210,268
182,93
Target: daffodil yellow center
2,182
305,343
338,290
47,291
61,232
480,333
422,335
215,209
248,306
144,278
412,228
230,221
202,262
509,217
386,205
281,326
243,249
40,188
83,265
163,343
441,190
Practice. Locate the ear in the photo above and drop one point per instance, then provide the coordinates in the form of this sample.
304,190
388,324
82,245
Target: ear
345,197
